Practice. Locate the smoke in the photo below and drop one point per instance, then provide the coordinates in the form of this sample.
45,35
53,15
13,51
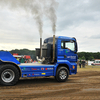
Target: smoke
37,8
50,12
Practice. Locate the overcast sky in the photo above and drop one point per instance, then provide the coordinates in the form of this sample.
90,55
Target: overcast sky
75,18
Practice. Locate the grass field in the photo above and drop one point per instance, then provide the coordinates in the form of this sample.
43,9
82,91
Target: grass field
89,68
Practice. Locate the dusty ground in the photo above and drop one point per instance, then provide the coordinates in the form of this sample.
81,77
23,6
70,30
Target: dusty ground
85,85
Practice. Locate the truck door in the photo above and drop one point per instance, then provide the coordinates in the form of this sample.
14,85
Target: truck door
69,50
60,50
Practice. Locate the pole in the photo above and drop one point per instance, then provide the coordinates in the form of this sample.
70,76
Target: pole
53,48
40,48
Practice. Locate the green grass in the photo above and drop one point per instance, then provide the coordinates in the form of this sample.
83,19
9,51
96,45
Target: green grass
89,68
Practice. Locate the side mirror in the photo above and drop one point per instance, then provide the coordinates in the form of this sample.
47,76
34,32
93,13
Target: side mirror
76,48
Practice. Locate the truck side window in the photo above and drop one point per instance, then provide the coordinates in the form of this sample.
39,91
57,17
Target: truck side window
62,44
70,45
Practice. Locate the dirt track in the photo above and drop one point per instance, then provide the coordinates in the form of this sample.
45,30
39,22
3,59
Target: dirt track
84,85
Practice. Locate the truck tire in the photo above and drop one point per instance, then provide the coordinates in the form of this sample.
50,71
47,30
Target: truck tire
9,75
62,74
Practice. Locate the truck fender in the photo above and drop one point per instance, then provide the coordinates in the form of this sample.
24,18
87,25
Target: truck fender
8,57
8,62
66,64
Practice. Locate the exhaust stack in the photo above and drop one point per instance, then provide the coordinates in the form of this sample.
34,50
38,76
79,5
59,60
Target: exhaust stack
53,48
40,48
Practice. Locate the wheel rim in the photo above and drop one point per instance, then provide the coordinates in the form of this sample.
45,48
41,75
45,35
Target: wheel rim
63,74
7,75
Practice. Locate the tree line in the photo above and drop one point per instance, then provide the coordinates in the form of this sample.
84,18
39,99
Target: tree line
81,55
89,55
24,52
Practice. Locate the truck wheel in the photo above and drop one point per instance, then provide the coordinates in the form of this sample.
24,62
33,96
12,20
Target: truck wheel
9,75
62,74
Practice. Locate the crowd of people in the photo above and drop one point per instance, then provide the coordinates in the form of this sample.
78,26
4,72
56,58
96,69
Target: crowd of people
82,63
23,60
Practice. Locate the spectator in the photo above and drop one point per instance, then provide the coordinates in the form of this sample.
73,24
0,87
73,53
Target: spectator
22,60
80,63
83,63
17,58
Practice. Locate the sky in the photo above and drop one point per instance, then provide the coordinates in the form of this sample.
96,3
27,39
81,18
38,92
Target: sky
74,18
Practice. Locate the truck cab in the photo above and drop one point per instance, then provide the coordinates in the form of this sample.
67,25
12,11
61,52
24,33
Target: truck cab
65,49
58,60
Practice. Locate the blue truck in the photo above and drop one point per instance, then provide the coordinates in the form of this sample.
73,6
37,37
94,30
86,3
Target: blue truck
59,57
